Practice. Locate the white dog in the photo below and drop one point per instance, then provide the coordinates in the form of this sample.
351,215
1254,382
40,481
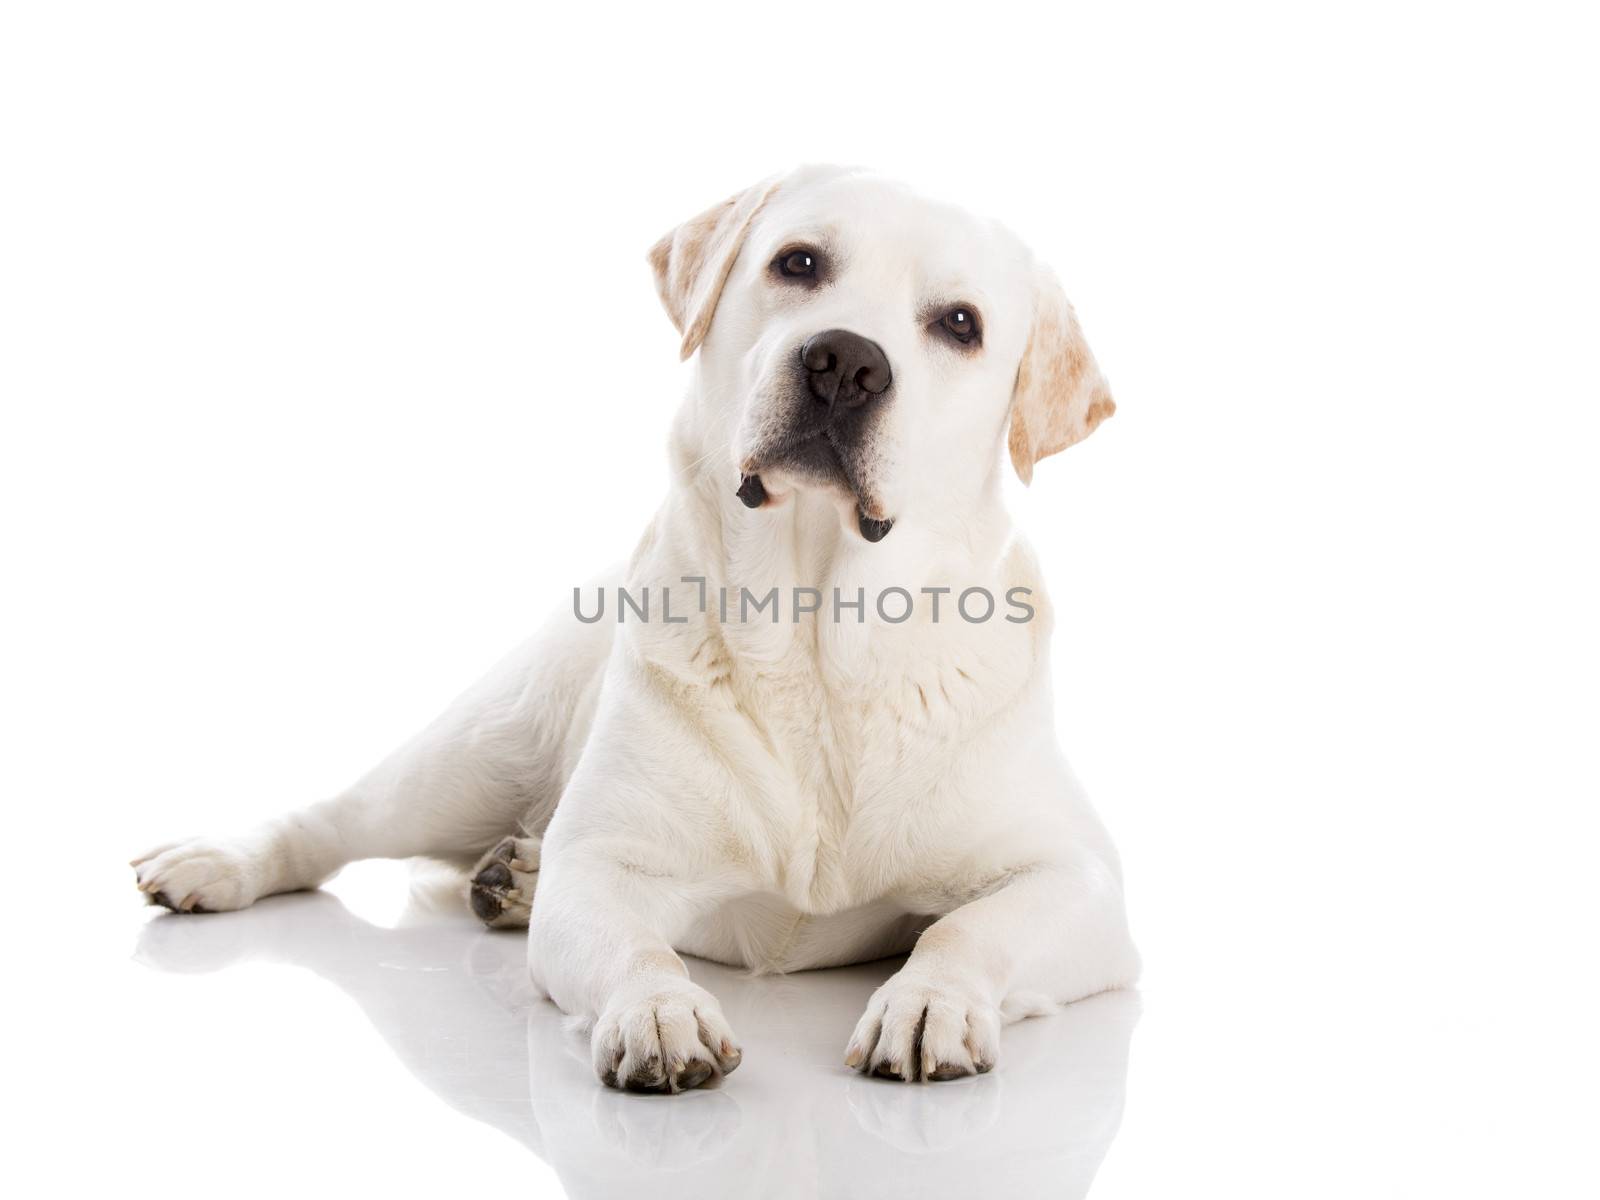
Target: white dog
811,732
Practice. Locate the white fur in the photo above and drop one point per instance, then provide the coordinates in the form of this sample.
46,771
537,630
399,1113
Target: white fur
778,795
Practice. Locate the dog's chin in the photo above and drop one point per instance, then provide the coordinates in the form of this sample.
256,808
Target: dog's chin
768,486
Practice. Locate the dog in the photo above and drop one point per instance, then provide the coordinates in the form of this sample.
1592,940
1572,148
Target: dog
863,766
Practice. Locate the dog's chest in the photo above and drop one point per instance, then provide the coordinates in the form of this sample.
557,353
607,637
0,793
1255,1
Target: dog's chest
847,758
853,777
834,791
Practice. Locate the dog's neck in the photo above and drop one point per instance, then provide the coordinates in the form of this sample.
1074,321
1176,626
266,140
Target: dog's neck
703,531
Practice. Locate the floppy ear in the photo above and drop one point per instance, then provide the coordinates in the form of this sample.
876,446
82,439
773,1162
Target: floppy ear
692,262
1060,395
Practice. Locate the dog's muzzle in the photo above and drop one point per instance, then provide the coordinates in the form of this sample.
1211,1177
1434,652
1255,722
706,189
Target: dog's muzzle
845,377
754,495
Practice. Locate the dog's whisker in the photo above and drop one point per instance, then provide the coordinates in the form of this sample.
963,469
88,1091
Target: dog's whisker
692,471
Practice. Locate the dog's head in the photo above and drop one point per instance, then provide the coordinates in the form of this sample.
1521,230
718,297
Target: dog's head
860,340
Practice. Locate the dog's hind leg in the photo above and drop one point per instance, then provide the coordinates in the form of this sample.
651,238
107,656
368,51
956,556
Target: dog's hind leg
495,761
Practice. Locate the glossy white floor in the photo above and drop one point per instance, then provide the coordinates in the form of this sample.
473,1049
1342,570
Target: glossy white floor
428,1043
373,1036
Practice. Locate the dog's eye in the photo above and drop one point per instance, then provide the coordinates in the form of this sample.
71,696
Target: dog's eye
961,324
797,264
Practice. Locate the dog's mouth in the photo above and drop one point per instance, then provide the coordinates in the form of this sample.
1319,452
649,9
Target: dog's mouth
753,494
818,461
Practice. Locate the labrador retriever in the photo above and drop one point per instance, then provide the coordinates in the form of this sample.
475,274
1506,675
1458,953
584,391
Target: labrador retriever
815,725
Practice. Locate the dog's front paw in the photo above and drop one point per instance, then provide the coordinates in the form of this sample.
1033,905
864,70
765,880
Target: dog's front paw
663,1036
201,876
502,883
916,1028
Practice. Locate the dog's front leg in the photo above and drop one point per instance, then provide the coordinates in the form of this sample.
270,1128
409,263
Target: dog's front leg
1050,935
600,945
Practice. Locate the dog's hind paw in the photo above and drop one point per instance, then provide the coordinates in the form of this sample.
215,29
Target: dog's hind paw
202,875
502,883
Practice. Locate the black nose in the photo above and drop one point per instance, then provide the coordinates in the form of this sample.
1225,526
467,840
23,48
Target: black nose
845,368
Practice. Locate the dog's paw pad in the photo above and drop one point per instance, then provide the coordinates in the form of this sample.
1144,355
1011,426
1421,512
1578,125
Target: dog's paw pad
502,883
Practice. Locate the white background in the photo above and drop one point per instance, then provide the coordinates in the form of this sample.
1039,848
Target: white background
329,362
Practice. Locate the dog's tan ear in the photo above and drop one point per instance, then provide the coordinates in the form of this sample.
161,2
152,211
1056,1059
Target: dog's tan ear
693,261
1060,395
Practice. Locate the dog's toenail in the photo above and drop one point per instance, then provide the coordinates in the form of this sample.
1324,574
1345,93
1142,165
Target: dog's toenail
649,1077
693,1076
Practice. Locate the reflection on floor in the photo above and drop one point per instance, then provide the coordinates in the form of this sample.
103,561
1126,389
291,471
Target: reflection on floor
451,1000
